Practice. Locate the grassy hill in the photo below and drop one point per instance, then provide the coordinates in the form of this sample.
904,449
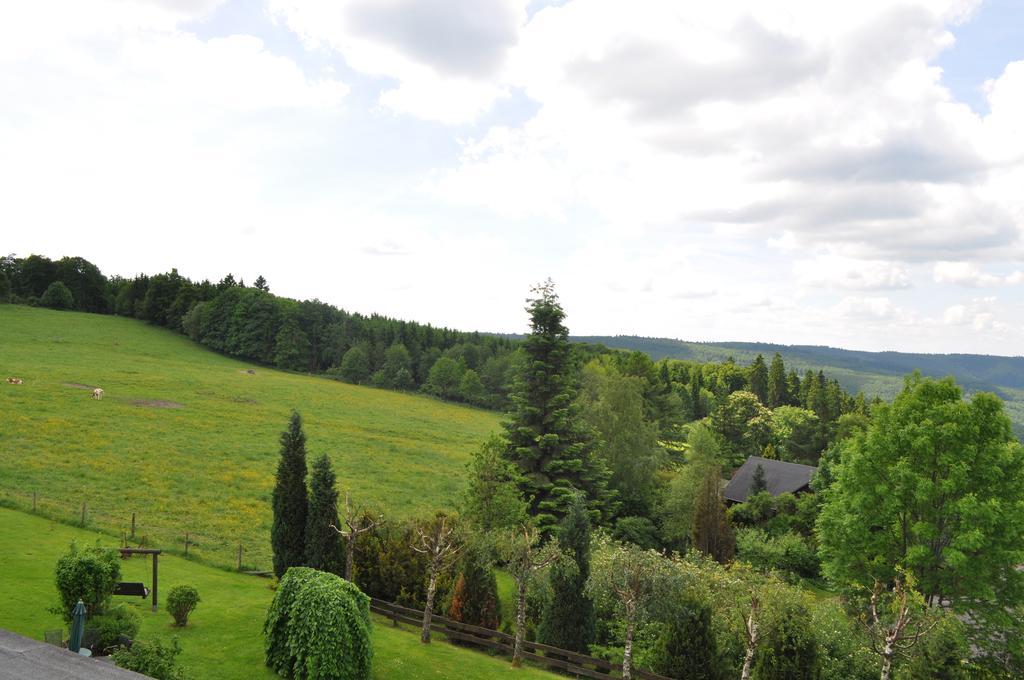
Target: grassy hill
874,373
223,640
188,439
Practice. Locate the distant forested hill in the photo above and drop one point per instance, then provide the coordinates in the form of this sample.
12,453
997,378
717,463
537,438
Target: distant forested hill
874,373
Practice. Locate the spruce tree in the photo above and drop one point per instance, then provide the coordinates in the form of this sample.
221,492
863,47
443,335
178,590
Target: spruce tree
544,432
568,618
759,379
712,533
758,483
778,390
288,532
323,542
686,648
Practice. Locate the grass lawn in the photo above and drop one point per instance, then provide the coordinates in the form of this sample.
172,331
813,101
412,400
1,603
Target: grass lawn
223,640
188,439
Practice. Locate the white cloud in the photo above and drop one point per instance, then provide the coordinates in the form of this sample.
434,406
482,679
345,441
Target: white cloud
447,56
851,274
968,274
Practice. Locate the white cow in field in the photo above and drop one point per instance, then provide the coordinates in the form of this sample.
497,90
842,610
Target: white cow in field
97,393
15,381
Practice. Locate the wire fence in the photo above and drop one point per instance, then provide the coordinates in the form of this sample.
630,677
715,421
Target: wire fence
135,529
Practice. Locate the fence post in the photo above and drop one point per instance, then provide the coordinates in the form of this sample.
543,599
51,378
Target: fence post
133,526
83,514
186,544
239,557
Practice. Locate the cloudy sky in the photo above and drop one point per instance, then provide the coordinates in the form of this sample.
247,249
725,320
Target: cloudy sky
844,173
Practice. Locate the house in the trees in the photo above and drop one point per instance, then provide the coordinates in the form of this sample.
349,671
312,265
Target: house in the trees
779,478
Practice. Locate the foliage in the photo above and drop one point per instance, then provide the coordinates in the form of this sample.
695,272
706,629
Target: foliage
475,597
318,627
787,552
679,501
758,483
743,423
387,567
492,499
935,485
87,574
544,432
154,659
712,533
941,655
639,530
112,628
182,601
686,648
796,434
789,650
288,533
57,296
323,542
613,405
568,618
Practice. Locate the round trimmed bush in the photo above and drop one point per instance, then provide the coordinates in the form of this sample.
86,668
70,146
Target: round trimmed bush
181,600
318,628
89,575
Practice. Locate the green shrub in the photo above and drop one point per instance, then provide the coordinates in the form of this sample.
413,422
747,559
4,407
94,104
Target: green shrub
89,575
940,655
318,628
788,552
152,658
112,628
790,650
686,646
181,600
57,296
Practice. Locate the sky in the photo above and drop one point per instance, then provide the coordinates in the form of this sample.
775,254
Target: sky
800,172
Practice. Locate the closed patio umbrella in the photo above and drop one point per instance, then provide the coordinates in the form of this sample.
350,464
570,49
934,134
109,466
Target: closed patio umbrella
77,627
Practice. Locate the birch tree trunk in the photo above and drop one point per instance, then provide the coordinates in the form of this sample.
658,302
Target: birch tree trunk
517,652
627,654
887,654
428,611
748,656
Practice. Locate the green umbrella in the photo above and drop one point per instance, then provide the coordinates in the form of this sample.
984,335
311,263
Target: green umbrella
77,627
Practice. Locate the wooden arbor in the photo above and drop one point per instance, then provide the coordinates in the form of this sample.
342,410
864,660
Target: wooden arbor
128,552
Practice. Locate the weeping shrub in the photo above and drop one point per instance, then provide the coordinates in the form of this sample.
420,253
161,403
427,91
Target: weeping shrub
318,628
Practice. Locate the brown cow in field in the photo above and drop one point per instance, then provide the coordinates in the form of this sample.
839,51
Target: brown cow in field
97,393
15,381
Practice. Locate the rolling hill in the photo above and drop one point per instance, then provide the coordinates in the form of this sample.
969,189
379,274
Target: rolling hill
874,373
188,439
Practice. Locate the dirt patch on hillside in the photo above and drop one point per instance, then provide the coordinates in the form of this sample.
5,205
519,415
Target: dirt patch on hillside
156,403
80,386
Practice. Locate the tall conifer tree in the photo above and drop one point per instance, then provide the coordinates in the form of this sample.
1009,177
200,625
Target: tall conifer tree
778,390
759,379
323,543
544,432
288,532
568,619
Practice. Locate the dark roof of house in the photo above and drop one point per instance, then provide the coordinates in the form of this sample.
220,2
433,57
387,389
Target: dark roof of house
779,477
25,659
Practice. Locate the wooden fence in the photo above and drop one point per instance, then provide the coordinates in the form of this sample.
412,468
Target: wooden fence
572,663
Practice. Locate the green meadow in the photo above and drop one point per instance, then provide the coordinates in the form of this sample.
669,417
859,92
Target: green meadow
223,640
188,439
